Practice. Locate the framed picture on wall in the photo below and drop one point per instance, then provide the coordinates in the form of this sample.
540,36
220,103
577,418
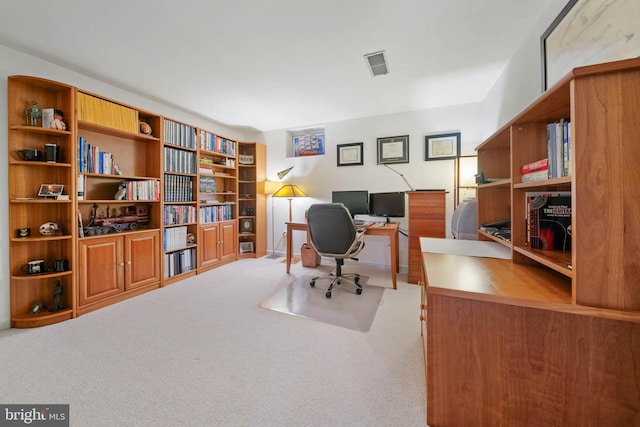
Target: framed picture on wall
442,147
350,154
393,149
589,32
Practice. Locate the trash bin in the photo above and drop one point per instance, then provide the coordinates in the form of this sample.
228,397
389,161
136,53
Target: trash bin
310,258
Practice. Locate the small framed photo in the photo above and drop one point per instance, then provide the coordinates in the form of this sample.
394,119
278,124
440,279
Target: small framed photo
350,154
246,226
50,190
246,247
442,147
393,149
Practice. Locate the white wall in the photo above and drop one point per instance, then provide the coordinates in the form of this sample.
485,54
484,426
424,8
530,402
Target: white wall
318,176
521,81
17,63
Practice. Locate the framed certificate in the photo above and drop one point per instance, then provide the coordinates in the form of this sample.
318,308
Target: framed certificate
394,149
442,147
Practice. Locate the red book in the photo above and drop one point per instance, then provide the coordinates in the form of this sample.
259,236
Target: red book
535,166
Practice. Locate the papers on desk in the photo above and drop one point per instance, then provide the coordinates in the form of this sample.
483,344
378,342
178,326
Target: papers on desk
478,248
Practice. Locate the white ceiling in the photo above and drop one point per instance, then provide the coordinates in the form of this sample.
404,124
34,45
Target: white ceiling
277,64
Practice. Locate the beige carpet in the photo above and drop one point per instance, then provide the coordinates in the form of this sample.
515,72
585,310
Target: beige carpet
201,352
345,308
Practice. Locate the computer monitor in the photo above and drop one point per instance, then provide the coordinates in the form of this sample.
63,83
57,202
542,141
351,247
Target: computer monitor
387,204
356,201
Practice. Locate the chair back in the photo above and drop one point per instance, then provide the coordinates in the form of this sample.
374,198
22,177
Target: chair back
331,228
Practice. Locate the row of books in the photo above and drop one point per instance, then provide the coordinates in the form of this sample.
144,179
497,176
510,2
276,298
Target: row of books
218,144
178,188
548,220
179,214
216,213
557,163
559,148
175,238
179,262
148,189
179,134
92,160
179,161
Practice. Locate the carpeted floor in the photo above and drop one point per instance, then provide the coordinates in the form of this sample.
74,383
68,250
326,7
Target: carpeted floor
345,308
201,352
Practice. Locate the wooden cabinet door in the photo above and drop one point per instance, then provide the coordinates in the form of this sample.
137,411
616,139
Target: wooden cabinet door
142,261
209,243
101,272
228,240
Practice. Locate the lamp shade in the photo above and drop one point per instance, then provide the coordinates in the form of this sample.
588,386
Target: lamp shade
290,191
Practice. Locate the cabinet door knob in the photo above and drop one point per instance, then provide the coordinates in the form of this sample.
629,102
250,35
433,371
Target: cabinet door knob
128,262
122,264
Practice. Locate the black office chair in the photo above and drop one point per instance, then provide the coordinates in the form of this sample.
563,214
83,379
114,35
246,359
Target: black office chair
333,234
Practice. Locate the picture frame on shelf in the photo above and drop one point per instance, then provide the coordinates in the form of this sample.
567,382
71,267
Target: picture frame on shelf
393,149
585,33
245,247
350,154
246,226
442,146
50,190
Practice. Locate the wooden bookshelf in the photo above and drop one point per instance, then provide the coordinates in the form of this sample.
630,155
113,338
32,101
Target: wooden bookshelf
550,335
251,199
131,182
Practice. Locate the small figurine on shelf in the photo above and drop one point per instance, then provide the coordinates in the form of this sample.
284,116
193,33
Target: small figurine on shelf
121,194
57,297
145,129
33,113
57,122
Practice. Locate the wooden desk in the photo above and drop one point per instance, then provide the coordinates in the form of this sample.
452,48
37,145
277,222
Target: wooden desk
509,336
390,230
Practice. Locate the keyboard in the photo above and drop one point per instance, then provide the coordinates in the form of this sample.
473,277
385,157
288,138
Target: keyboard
362,223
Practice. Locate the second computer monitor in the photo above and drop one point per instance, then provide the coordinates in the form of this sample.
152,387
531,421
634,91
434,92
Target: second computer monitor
356,201
388,205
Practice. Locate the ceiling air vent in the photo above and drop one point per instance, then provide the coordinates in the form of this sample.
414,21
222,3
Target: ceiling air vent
377,63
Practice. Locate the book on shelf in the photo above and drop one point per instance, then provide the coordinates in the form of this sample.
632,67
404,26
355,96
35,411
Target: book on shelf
535,176
548,220
538,165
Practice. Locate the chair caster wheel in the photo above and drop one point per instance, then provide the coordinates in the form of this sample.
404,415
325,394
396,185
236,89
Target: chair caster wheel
359,291
357,279
328,294
312,283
